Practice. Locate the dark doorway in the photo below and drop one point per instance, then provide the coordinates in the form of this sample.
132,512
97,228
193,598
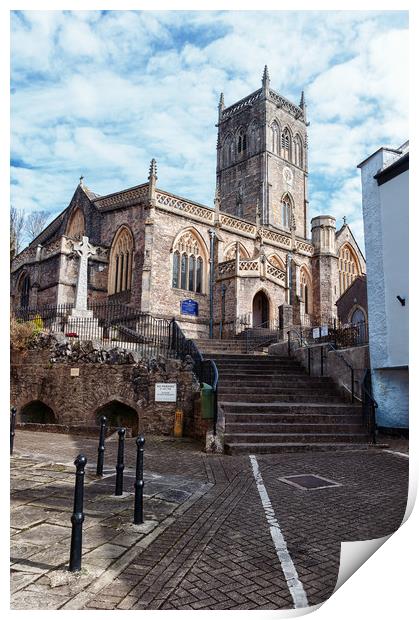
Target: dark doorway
118,415
260,310
37,412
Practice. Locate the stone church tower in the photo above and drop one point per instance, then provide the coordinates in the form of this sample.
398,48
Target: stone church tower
250,261
262,160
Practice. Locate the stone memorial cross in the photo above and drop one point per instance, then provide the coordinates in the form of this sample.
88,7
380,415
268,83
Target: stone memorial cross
84,249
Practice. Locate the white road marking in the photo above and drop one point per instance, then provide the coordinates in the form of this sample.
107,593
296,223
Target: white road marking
406,456
288,568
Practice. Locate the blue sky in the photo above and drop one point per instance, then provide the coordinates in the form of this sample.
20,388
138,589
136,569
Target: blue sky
100,93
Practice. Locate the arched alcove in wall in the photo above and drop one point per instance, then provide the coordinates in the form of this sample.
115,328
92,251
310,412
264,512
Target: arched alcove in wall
119,414
37,412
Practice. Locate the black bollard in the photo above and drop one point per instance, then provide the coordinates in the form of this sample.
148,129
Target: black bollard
120,463
101,448
139,482
12,428
77,517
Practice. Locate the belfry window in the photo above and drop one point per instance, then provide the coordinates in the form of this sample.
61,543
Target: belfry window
241,142
275,137
120,264
298,151
188,255
286,144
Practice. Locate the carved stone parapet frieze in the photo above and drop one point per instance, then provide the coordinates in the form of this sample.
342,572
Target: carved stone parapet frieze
305,248
286,105
233,223
24,258
121,199
227,268
237,107
166,200
275,272
275,238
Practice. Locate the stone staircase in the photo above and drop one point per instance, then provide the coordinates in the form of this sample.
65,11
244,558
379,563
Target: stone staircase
272,405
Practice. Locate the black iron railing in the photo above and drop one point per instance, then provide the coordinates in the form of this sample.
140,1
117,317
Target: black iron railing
205,369
112,324
296,339
341,335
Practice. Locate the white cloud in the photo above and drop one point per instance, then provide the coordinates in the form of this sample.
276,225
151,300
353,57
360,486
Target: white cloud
103,93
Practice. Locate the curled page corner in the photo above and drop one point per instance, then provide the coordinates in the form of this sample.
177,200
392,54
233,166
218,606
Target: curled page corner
354,554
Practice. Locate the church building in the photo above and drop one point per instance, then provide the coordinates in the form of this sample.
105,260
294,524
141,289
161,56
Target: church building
251,255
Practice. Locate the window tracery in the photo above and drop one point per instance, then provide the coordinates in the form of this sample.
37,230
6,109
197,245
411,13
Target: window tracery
286,144
348,267
188,264
286,211
120,264
76,225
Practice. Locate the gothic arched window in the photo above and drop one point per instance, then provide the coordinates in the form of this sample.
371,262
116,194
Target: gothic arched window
76,225
189,255
305,290
241,142
275,137
120,262
286,212
348,267
253,138
286,144
227,150
298,151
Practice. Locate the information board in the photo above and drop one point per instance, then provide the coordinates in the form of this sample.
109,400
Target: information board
189,306
165,392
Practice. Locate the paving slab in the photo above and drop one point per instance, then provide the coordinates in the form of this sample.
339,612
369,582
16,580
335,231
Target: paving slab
206,541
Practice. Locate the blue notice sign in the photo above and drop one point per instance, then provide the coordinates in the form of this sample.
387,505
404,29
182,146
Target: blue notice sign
189,306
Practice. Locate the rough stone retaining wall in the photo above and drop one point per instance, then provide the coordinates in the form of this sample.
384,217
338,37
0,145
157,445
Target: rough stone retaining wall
75,400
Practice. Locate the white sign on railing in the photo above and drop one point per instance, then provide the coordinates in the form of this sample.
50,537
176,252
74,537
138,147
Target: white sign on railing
316,332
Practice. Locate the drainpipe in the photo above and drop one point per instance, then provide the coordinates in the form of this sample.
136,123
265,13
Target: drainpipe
211,283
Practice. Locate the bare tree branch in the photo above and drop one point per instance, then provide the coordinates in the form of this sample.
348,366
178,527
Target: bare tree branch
35,223
17,225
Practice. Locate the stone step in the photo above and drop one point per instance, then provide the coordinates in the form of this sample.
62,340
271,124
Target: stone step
287,408
250,428
275,448
285,438
285,382
230,373
261,367
267,398
292,418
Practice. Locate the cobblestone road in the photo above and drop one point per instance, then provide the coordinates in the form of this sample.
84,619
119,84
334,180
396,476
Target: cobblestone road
206,542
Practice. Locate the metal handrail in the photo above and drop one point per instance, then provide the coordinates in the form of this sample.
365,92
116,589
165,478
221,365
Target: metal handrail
205,369
369,405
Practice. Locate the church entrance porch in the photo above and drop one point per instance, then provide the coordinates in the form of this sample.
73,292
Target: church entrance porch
260,310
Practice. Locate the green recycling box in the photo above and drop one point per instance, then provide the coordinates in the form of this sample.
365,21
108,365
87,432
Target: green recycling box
207,401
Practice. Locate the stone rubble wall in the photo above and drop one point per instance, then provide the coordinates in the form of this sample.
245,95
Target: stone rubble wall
44,373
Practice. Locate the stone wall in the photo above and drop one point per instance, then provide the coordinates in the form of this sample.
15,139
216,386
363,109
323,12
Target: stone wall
354,297
76,400
334,365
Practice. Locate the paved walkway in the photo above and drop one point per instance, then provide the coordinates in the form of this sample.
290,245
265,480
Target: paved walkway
207,542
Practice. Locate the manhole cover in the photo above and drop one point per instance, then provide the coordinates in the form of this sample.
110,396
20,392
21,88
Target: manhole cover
309,482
